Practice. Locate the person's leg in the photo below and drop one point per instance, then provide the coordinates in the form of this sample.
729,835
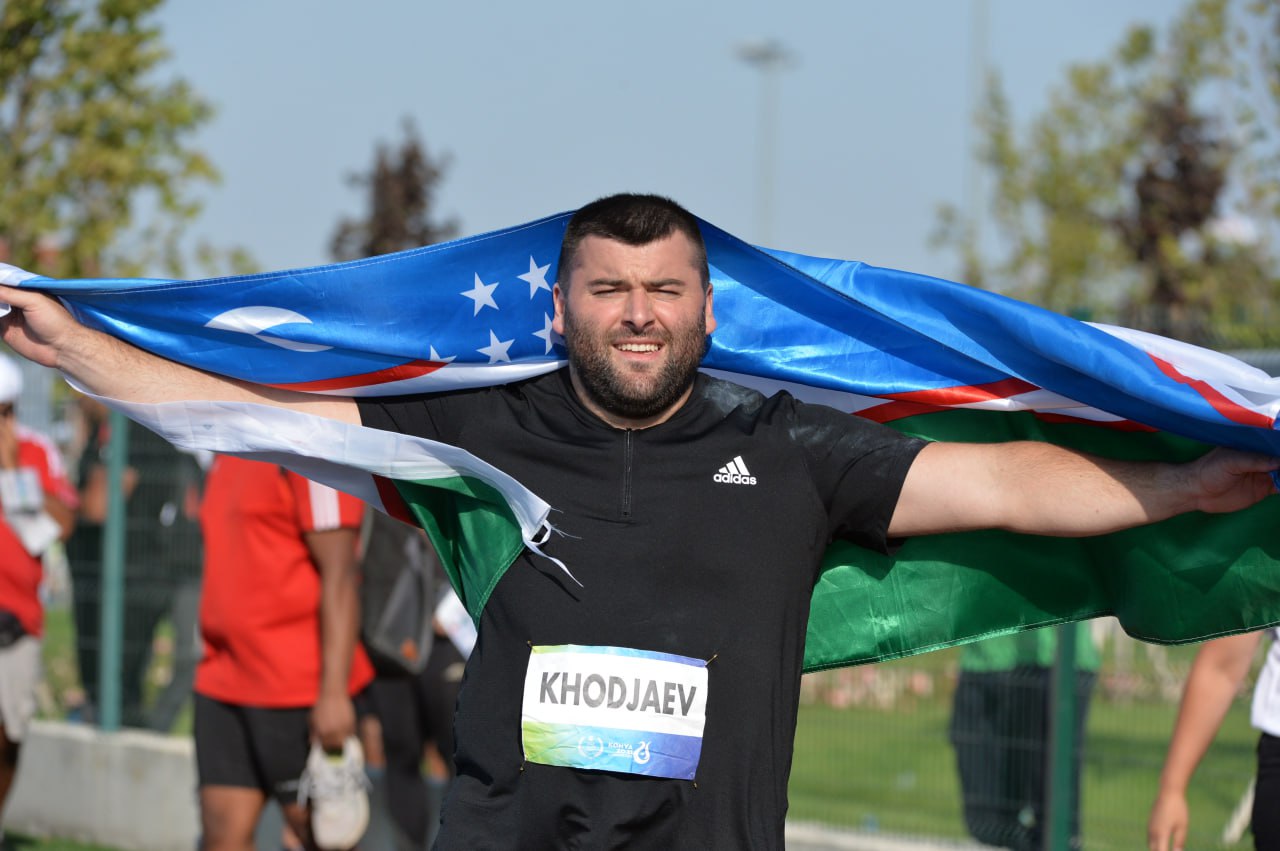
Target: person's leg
228,817
184,612
977,734
232,791
9,751
403,737
439,687
1084,691
19,673
146,604
1027,708
281,740
438,692
86,607
1266,796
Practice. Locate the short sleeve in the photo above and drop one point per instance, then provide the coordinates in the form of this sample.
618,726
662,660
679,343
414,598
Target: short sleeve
858,468
39,453
321,508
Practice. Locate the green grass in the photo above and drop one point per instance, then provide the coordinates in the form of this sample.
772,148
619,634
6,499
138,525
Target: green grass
18,842
889,767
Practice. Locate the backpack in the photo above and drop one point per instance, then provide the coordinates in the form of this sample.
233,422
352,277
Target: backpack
397,594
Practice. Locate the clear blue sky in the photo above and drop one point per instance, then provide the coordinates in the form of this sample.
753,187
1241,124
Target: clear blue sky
544,106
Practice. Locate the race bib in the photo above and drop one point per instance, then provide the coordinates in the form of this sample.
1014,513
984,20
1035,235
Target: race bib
614,709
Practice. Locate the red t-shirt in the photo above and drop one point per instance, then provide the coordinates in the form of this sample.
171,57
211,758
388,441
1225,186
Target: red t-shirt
21,572
260,603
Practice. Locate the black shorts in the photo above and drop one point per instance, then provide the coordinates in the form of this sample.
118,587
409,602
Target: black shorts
1266,794
251,747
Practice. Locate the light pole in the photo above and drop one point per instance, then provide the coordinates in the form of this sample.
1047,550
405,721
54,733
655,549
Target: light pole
769,56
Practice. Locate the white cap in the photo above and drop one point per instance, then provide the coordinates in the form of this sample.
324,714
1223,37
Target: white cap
10,379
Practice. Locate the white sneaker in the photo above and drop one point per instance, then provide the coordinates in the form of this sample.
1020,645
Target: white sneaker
337,788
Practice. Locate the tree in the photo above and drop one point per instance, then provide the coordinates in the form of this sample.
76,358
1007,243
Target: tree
402,187
88,131
1142,195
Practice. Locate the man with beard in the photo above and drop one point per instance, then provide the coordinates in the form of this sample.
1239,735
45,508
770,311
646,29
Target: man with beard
653,705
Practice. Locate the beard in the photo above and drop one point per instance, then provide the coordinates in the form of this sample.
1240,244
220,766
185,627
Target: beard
635,393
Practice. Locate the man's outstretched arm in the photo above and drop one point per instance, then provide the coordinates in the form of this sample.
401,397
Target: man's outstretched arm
41,330
1042,489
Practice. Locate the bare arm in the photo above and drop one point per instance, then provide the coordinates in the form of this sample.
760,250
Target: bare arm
333,718
41,330
62,514
1219,669
1044,489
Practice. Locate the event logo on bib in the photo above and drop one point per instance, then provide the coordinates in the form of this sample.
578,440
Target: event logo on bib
614,709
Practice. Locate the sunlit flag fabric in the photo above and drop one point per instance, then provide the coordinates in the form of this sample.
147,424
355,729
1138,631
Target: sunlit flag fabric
926,356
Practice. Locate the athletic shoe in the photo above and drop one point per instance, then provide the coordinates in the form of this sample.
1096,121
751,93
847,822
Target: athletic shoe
338,790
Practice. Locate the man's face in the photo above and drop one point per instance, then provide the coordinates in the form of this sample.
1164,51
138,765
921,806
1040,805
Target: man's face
635,321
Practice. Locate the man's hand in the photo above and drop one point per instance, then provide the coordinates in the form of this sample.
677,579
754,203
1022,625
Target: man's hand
1227,480
1167,827
37,325
332,720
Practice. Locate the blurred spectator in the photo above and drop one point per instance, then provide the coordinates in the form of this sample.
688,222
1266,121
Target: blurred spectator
418,636
161,568
38,505
1216,677
279,616
1000,728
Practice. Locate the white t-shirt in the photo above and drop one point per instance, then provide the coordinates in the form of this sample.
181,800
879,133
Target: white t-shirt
1266,694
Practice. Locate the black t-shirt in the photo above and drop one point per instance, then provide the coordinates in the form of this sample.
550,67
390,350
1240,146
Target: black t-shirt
699,537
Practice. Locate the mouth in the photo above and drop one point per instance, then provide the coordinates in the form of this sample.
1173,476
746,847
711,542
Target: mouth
638,348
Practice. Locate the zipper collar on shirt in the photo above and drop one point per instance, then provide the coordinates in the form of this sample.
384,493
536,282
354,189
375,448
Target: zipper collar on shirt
585,415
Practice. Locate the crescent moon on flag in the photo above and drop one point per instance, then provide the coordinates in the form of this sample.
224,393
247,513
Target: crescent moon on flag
258,318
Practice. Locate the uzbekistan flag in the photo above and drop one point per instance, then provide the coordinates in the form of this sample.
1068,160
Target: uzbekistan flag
926,356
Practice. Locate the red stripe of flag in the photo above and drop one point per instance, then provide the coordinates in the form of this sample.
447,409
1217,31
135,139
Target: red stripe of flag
412,369
1230,410
392,502
902,405
942,398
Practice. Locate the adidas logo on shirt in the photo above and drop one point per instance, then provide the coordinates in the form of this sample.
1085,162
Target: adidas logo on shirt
735,473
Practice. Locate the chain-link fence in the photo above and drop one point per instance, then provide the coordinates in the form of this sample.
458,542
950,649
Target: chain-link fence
928,747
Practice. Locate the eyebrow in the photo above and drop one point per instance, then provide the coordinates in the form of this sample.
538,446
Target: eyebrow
656,282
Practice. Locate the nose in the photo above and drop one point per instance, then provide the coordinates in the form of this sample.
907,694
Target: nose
637,312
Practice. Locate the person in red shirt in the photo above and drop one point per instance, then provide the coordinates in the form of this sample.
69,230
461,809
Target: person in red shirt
38,505
279,619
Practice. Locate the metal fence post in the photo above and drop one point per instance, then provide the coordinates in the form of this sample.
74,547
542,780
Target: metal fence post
1060,788
111,632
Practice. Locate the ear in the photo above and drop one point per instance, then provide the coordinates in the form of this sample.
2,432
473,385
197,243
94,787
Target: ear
557,321
710,314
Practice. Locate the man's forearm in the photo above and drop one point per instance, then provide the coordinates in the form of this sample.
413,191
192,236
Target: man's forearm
1039,488
41,330
109,367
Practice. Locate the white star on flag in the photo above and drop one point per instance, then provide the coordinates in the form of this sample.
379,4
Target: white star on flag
537,278
435,356
546,334
482,294
496,351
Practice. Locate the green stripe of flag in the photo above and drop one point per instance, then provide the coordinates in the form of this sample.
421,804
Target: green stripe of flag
473,529
1186,579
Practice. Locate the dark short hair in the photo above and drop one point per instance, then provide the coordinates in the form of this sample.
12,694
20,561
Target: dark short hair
634,220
